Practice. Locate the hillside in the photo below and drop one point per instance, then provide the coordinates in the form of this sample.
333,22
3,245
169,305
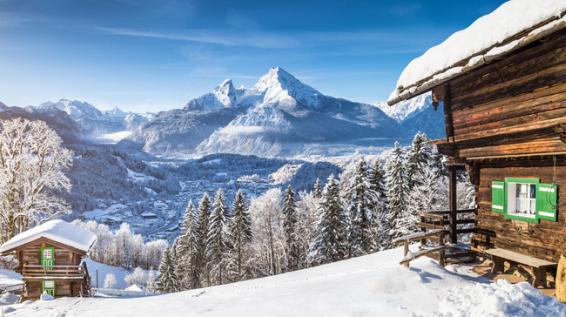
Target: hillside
372,285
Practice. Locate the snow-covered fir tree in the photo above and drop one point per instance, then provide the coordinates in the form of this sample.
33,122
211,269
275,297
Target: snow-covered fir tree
187,250
331,242
217,240
167,281
419,157
397,190
202,239
317,189
290,229
361,202
240,238
382,220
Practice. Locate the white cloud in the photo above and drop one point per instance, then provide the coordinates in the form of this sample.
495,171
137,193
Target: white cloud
250,39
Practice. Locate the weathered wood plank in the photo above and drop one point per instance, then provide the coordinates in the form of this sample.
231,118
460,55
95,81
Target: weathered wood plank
520,258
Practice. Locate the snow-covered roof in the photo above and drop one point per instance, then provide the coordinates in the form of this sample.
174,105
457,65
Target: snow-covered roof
56,230
514,24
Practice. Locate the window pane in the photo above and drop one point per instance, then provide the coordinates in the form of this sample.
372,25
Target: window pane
533,191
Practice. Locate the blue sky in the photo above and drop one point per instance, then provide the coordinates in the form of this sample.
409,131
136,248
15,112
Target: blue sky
150,55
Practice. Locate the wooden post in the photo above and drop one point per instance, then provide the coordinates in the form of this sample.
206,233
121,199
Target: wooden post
452,200
441,254
406,251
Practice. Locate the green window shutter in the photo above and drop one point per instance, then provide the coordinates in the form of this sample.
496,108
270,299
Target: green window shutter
498,196
547,199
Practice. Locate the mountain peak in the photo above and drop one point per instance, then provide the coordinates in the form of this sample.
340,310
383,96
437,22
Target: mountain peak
226,83
280,87
276,76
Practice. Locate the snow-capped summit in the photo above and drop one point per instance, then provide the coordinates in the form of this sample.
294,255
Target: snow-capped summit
224,95
278,87
279,115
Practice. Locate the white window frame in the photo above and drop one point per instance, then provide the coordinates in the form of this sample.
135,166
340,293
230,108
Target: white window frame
513,200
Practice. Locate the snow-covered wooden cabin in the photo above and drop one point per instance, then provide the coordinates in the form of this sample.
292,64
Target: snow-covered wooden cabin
502,85
50,259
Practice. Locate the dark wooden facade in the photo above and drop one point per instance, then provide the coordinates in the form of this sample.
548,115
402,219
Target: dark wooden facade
508,119
70,277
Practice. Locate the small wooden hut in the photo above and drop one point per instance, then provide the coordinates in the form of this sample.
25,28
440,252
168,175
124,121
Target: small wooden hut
50,259
502,85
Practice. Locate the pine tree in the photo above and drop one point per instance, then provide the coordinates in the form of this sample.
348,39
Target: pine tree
331,242
317,190
202,235
419,157
240,238
397,191
381,222
167,280
187,266
361,208
217,241
290,229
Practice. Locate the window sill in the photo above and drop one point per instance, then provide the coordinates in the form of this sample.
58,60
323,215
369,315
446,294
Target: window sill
519,215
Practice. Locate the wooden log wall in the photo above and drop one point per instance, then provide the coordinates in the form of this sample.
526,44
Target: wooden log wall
508,119
62,288
31,255
516,96
544,240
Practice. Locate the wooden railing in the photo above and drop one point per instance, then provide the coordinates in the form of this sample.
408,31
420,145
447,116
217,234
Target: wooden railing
31,270
440,219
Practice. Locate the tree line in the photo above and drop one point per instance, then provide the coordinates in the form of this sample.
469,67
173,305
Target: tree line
360,212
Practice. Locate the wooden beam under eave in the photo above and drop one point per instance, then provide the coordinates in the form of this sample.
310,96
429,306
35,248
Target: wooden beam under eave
442,93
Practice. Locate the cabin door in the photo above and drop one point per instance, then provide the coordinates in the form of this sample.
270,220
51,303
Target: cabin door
47,258
49,287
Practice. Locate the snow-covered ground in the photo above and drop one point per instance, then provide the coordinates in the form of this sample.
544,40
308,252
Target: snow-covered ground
373,285
10,280
103,270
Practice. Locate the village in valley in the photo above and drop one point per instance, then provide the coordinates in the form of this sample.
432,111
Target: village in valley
279,200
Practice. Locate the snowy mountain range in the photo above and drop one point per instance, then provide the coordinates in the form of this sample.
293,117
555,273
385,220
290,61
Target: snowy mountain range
279,116
93,122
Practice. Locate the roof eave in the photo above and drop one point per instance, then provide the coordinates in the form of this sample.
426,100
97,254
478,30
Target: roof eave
478,60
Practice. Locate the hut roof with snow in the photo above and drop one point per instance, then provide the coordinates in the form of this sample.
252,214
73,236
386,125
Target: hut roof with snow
513,25
56,230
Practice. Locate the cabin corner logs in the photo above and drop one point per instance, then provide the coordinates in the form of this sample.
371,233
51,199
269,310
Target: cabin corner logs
507,120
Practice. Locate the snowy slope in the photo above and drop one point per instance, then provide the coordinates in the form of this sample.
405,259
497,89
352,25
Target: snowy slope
373,285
